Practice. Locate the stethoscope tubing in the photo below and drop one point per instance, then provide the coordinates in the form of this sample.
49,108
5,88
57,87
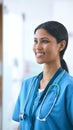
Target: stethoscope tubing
53,104
22,115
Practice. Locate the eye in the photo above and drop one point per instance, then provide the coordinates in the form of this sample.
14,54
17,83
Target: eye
45,41
35,41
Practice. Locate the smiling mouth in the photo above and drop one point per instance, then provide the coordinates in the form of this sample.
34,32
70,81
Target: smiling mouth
39,54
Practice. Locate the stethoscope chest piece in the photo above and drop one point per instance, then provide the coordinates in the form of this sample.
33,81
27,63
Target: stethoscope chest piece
22,116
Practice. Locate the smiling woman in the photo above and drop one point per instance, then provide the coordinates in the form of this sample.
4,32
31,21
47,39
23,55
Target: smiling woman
48,96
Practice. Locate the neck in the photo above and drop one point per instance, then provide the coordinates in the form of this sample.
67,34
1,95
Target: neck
48,73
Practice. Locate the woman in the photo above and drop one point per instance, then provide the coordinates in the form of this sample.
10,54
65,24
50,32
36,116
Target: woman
47,98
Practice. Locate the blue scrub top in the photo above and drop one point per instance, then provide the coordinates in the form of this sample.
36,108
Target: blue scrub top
61,116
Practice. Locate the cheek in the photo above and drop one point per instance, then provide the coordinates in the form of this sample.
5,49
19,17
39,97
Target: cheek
55,52
52,51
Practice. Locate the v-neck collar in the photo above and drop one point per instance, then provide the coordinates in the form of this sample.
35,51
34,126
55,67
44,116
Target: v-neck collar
54,76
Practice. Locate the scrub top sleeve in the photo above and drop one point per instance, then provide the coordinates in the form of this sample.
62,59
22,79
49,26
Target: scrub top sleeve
21,98
69,100
16,111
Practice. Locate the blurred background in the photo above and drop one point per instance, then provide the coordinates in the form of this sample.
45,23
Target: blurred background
18,19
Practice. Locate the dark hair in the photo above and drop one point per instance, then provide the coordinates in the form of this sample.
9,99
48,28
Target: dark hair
59,31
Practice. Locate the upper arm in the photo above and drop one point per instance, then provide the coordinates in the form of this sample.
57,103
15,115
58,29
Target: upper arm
16,111
69,102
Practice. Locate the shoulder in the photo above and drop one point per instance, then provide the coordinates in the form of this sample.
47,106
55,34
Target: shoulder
27,82
67,78
68,83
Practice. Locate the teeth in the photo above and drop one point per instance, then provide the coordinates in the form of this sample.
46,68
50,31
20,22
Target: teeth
39,54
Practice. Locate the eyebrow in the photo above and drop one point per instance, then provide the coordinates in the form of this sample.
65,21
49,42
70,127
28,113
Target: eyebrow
41,38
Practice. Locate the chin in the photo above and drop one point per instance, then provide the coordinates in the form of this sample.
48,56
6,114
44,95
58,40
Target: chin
40,62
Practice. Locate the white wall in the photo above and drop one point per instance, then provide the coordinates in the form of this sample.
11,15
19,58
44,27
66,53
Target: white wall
12,65
63,13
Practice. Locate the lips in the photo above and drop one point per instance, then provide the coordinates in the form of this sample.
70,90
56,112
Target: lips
39,54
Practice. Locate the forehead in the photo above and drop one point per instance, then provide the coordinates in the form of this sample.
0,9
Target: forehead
42,33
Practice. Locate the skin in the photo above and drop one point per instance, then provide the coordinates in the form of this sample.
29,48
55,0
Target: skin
47,51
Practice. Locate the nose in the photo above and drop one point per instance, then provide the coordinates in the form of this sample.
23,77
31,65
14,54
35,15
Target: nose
39,45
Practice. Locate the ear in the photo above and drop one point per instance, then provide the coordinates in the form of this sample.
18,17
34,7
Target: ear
62,45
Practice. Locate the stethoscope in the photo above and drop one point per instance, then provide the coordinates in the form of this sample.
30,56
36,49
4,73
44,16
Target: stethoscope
22,115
